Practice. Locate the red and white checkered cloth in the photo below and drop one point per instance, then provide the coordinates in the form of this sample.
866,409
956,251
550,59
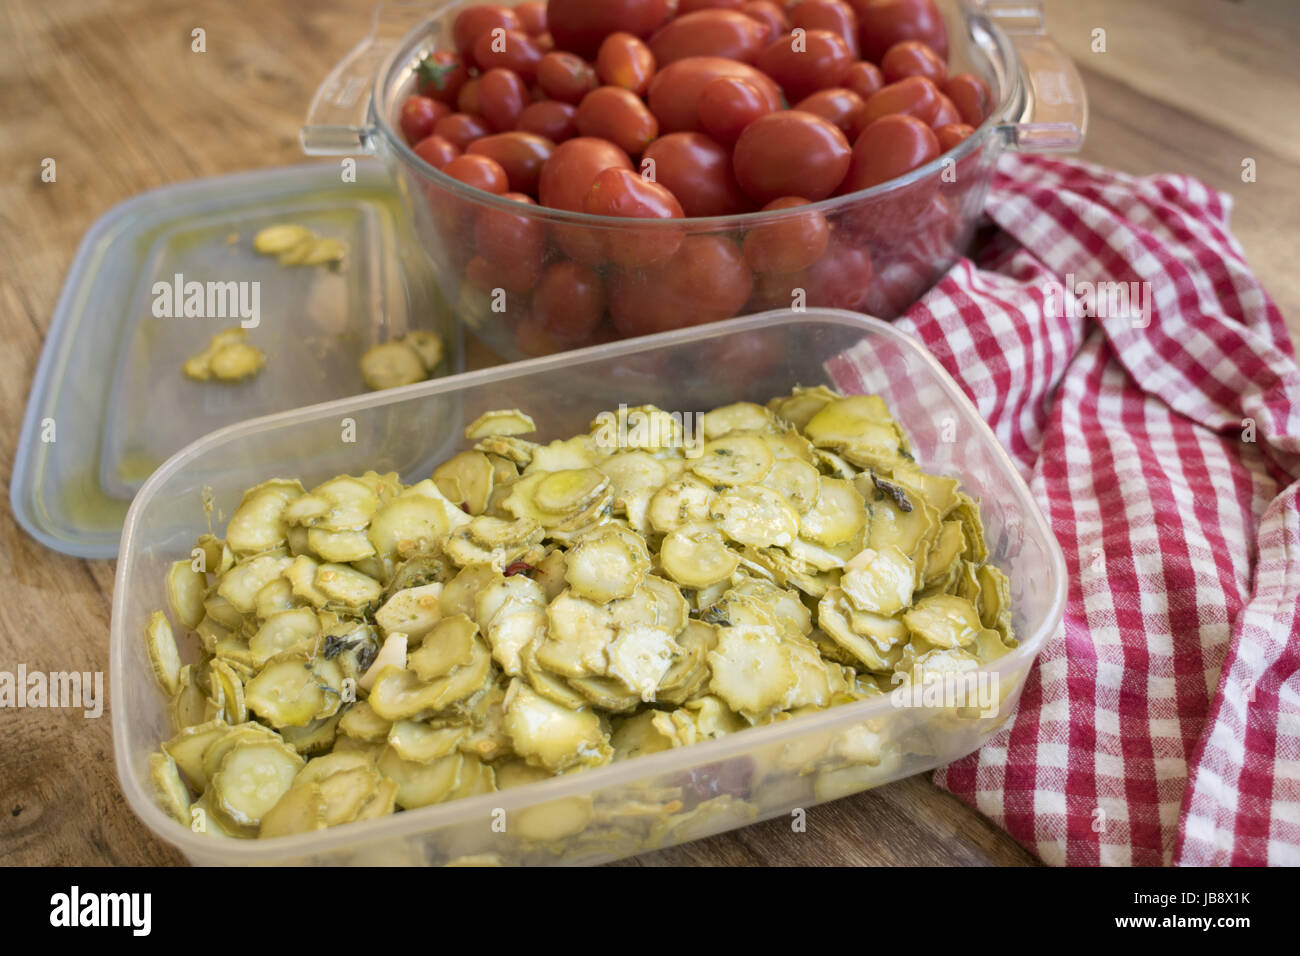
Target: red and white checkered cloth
1162,724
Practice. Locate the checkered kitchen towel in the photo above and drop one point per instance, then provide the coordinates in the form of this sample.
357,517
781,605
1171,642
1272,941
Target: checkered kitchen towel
1162,725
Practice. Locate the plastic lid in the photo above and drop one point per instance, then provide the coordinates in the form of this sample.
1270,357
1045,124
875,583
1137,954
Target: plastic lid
110,403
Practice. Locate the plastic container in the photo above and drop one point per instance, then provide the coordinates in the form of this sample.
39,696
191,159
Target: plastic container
109,403
890,243
637,805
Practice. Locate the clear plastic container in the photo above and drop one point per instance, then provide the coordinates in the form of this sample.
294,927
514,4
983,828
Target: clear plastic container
889,243
641,804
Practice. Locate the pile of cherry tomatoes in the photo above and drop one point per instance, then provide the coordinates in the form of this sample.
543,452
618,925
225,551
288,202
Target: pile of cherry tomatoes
674,110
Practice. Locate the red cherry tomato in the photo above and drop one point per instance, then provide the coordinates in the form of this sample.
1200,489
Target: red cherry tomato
913,96
623,193
864,79
727,105
945,113
803,63
951,135
512,244
840,106
580,26
840,279
503,95
882,23
521,155
533,17
724,33
511,50
833,15
470,98
565,77
437,150
534,341
791,153
551,119
514,276
479,172
573,167
440,76
419,114
697,170
569,302
675,90
692,6
972,97
790,244
891,146
472,22
706,281
625,61
545,42
912,58
768,14
618,115
461,129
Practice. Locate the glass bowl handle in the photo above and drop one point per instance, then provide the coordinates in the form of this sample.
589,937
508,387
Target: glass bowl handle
338,121
1055,115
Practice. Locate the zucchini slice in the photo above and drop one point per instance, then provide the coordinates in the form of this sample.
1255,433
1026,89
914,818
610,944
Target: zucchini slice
163,655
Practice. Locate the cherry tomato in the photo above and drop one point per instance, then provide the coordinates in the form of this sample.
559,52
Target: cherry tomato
624,60
889,147
504,95
789,244
913,96
580,26
513,244
512,50
971,95
479,172
945,113
623,193
706,281
521,155
725,33
551,119
534,341
951,135
882,23
803,63
618,115
675,90
419,114
532,16
472,22
437,150
727,105
461,129
833,15
573,167
912,58
791,153
470,98
514,276
691,6
768,14
569,302
864,79
545,42
440,76
697,170
840,106
565,77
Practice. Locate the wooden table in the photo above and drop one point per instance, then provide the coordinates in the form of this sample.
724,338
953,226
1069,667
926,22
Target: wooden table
111,90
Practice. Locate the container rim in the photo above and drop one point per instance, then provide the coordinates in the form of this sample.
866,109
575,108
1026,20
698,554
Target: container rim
976,24
411,822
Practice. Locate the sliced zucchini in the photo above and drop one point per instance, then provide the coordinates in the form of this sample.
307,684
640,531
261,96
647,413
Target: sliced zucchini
170,792
751,669
550,735
257,524
163,655
697,557
607,564
185,592
252,779
508,422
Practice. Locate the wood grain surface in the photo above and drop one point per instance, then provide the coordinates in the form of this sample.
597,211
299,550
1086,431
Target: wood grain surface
111,90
